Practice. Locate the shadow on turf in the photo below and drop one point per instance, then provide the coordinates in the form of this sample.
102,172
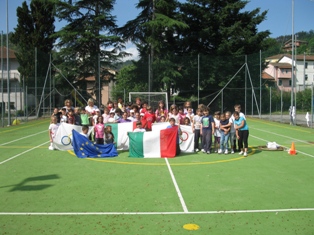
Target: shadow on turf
32,183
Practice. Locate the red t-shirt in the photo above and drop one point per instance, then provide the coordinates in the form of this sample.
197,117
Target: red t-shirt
148,119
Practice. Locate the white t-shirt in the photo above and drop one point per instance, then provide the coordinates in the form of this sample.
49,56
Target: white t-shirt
197,122
217,124
53,129
91,109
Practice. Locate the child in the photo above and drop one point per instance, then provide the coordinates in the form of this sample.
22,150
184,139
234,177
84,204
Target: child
242,132
99,130
187,121
190,114
139,127
182,115
84,131
207,130
105,115
161,110
57,114
187,105
64,118
77,116
96,116
196,127
237,108
124,118
232,135
117,115
217,132
148,119
132,116
224,130
84,117
175,114
143,110
162,119
111,117
70,116
109,105
172,124
109,137
53,127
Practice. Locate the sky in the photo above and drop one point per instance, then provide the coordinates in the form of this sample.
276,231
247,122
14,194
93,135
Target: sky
278,21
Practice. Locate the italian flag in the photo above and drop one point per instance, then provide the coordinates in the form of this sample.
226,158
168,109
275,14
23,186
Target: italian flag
120,133
153,144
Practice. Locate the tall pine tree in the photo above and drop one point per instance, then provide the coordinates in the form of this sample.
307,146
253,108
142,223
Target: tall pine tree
34,30
87,44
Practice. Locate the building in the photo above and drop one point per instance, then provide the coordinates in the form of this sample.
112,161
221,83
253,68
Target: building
288,44
16,93
279,71
107,83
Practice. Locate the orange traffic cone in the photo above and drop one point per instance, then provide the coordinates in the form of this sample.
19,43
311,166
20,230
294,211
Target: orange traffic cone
292,149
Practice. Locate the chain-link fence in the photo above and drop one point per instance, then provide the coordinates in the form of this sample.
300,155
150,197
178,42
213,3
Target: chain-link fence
219,82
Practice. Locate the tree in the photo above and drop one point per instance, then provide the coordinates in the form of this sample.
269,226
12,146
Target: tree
87,45
154,33
221,33
34,30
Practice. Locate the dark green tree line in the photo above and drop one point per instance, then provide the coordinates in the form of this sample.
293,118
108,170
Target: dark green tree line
35,26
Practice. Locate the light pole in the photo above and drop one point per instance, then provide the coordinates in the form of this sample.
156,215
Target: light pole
292,57
8,72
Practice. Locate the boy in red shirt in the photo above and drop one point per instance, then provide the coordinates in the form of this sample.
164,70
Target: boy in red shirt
148,119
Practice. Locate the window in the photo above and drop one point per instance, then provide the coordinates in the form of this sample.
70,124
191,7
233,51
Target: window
279,82
306,64
290,82
305,77
11,105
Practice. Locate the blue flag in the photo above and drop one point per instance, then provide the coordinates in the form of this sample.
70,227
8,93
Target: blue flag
84,148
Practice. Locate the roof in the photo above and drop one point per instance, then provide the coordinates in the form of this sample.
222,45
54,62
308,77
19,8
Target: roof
280,56
282,65
267,76
107,77
301,57
11,53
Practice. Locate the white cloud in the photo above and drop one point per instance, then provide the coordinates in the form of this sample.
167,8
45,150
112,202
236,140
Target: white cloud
131,48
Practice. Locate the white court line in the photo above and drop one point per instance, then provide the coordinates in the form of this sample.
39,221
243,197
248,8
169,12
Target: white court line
309,155
23,153
288,137
22,138
160,213
185,209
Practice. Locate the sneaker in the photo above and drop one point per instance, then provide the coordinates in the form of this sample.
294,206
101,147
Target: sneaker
232,151
226,151
196,150
241,153
245,154
203,150
208,152
219,151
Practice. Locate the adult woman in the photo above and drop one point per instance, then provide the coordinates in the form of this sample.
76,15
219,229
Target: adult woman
68,105
91,108
242,132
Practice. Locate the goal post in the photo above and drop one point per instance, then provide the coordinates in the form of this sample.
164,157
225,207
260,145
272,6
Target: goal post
152,98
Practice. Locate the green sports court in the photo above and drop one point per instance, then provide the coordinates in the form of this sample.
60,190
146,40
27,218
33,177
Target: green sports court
54,192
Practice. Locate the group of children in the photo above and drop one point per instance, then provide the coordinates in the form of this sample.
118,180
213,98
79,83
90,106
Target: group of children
224,127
